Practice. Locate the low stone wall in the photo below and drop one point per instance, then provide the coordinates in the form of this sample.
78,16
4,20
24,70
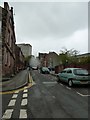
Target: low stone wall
59,68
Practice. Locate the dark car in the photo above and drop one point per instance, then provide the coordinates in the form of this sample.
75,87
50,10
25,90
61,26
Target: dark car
44,70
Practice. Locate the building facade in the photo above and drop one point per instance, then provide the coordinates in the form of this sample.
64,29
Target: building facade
19,61
53,59
26,49
8,41
0,43
43,59
48,59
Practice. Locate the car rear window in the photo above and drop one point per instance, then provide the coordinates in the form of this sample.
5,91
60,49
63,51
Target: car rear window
45,68
80,72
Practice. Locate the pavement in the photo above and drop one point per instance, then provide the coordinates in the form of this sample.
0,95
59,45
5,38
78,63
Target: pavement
18,81
53,73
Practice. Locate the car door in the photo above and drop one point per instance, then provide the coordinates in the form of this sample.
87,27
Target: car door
69,74
63,75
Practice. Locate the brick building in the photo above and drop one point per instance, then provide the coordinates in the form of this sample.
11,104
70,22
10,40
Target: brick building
19,61
0,44
53,59
49,59
43,59
8,41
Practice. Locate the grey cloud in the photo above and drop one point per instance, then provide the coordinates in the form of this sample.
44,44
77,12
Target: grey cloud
48,26
43,20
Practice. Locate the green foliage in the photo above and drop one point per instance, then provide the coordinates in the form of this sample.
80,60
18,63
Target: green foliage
68,56
84,60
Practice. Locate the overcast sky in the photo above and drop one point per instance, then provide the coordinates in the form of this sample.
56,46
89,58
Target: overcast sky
50,26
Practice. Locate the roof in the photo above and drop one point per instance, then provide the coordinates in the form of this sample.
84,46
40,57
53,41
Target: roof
72,68
82,55
23,44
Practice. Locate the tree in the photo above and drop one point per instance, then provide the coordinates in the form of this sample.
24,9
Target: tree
84,60
68,56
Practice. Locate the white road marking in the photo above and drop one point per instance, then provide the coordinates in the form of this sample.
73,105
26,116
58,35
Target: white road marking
15,96
82,95
24,95
25,90
68,88
7,114
24,102
12,103
61,84
50,82
23,113
16,92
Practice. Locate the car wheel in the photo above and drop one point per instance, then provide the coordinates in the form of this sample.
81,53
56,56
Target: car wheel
70,83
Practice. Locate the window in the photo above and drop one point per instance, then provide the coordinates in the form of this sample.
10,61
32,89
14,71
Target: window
80,72
69,71
63,71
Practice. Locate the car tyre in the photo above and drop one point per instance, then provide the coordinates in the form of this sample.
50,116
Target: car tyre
70,83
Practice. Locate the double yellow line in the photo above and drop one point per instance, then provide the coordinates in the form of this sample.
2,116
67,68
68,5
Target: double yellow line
30,84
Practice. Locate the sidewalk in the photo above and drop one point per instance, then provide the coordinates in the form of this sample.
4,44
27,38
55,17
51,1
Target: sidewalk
53,73
16,82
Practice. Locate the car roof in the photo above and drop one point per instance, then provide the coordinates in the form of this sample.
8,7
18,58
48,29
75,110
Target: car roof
72,68
45,67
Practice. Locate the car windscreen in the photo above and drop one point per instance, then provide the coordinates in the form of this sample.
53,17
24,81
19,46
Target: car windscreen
45,69
80,72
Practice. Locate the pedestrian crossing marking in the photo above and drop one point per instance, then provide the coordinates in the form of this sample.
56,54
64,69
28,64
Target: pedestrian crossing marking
12,103
7,114
25,90
24,102
24,95
23,113
15,96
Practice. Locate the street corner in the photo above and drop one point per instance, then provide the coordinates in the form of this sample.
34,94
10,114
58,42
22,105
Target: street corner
17,90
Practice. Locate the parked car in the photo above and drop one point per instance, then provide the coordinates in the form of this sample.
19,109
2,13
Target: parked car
34,68
74,76
44,70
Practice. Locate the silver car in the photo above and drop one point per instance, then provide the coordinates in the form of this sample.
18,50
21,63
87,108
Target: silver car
74,76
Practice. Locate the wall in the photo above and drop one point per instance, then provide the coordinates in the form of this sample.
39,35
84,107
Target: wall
8,41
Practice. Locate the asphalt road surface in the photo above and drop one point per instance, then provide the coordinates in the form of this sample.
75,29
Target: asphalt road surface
46,99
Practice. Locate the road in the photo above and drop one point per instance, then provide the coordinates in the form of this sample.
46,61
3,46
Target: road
46,99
